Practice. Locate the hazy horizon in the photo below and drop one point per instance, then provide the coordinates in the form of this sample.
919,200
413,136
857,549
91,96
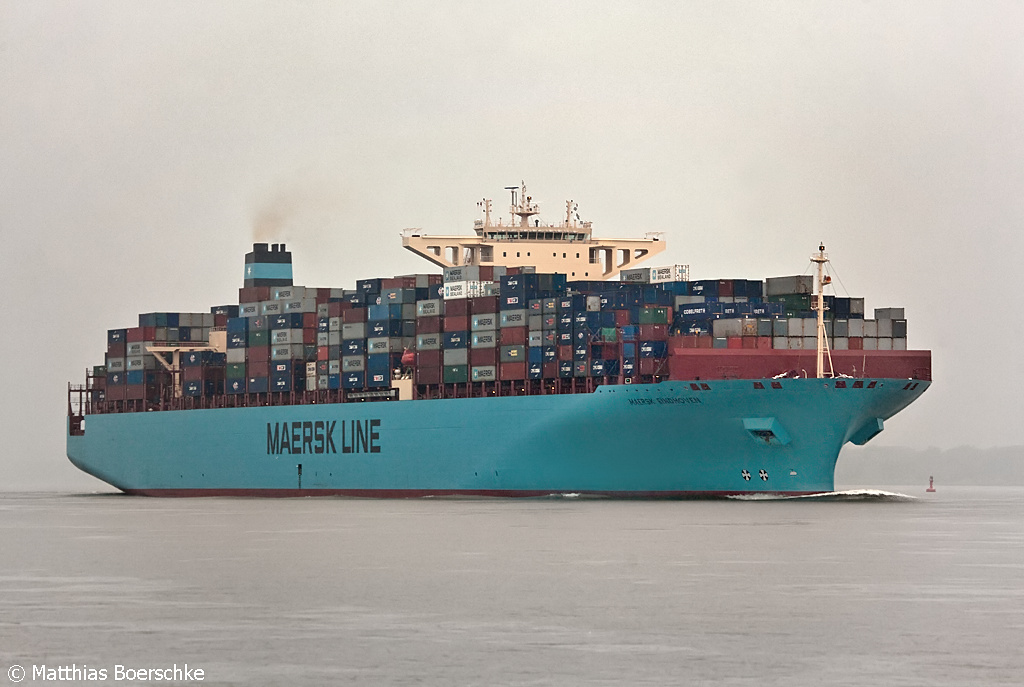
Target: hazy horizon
146,145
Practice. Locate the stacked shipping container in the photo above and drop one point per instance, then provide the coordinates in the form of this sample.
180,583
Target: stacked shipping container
477,325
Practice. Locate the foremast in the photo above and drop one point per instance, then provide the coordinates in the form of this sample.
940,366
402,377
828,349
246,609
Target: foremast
819,305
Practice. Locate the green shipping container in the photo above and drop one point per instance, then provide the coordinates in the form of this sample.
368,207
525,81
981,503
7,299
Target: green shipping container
259,338
235,371
793,301
456,374
609,334
653,315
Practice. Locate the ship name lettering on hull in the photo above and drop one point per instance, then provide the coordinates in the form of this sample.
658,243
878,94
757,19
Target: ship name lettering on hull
357,436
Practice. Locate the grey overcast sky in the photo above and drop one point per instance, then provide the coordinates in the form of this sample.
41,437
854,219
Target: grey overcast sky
141,143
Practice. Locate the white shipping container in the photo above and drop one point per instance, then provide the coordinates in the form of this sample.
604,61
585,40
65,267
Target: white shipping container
795,327
249,310
899,344
870,343
855,327
885,343
235,355
462,273
780,342
670,273
455,289
430,308
884,328
841,343
795,343
871,328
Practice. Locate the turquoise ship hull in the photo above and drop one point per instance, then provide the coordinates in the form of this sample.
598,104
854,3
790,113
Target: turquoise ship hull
665,440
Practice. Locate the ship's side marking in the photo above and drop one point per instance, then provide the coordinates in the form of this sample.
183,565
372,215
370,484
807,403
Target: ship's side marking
357,436
664,400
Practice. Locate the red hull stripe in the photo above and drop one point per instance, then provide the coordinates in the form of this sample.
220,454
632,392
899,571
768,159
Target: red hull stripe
421,493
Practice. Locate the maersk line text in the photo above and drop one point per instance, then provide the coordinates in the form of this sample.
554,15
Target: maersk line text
357,436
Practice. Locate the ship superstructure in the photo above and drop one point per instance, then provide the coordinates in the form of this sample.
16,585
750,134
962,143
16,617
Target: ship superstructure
568,247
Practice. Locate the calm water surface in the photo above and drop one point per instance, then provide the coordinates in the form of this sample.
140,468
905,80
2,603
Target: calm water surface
526,592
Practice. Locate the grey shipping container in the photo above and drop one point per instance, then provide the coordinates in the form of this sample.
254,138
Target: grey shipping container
890,314
430,308
456,356
513,354
353,330
428,342
484,340
484,322
484,373
780,286
353,363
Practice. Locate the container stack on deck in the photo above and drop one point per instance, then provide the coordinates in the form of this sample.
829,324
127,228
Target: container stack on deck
483,330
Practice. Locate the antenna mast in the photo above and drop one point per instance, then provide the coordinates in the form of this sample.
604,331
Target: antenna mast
820,258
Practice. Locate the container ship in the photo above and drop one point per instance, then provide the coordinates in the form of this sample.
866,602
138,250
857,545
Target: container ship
540,361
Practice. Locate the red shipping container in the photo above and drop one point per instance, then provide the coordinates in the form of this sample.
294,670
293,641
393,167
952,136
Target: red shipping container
258,368
428,325
116,350
622,318
115,392
309,335
220,320
456,307
398,283
565,352
734,342
650,366
856,343
428,358
456,323
764,342
323,353
334,309
322,298
134,392
749,342
513,371
483,305
251,294
258,353
687,341
513,336
353,315
309,319
654,332
193,373
434,279
550,370
135,334
704,342
483,356
428,375
725,287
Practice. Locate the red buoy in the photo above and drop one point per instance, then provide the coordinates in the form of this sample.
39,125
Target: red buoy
931,484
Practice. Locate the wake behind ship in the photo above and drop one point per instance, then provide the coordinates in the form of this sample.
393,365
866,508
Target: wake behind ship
500,377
